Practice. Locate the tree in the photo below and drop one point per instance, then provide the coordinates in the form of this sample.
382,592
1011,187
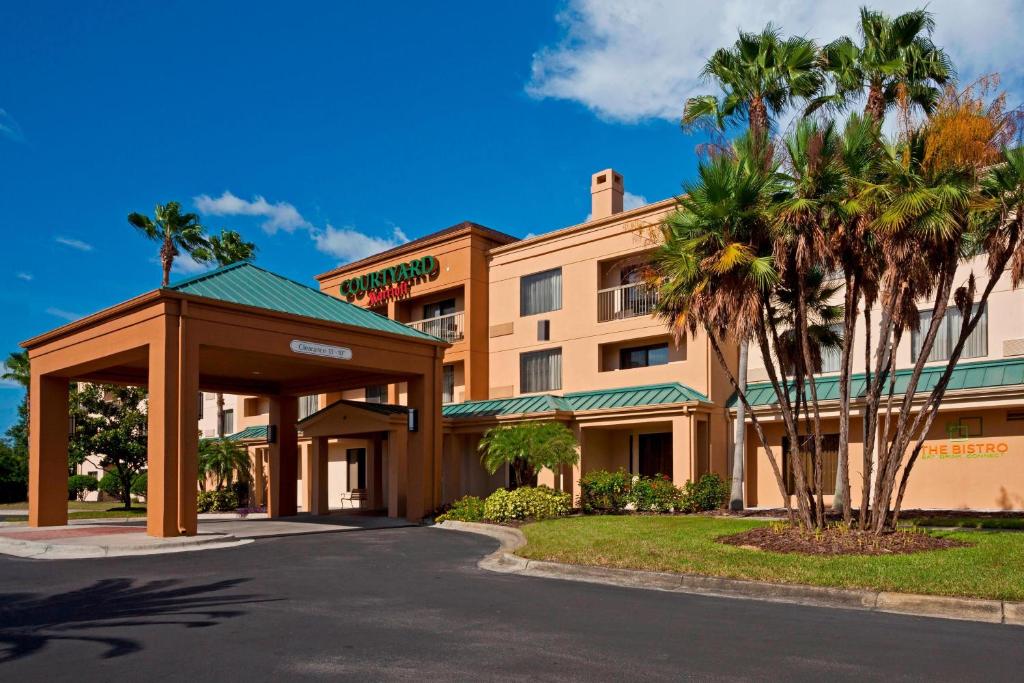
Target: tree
760,76
176,232
528,447
225,249
17,369
80,484
224,459
13,474
896,59
110,422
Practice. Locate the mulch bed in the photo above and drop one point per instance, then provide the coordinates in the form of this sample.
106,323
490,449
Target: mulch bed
833,541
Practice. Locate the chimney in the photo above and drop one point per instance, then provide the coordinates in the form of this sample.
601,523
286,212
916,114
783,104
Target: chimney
606,191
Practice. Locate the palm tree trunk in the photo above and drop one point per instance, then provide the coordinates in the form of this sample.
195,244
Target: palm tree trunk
166,261
736,501
875,107
220,415
841,498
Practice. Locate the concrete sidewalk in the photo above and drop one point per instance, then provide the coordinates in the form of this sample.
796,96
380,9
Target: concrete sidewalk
82,539
505,560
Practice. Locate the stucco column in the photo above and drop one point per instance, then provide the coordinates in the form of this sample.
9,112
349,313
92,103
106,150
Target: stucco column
282,500
424,455
576,471
48,451
188,431
398,472
374,470
162,495
315,477
682,449
258,481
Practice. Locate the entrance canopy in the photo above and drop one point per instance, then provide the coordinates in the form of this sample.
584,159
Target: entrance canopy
241,330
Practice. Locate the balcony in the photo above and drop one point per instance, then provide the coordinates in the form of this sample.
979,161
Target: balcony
449,327
626,301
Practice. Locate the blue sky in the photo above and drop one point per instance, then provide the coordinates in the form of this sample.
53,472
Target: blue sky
324,131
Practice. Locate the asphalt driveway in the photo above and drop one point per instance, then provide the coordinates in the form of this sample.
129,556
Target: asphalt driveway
411,604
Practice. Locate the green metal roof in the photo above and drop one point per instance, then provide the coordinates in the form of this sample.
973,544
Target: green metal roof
249,433
249,285
978,375
602,399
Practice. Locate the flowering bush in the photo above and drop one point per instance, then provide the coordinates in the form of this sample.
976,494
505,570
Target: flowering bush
655,494
465,509
602,491
526,502
710,492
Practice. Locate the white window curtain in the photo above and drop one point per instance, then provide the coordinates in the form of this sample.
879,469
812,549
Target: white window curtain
831,357
976,345
448,384
308,405
540,371
540,292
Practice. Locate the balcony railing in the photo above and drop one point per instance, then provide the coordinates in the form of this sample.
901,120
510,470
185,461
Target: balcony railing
627,301
447,327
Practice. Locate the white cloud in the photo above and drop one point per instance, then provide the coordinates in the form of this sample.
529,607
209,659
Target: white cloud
349,244
9,128
27,277
61,313
279,215
642,59
73,243
186,265
633,201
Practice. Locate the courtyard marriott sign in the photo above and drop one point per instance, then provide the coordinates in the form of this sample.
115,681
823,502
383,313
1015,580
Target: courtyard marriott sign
390,283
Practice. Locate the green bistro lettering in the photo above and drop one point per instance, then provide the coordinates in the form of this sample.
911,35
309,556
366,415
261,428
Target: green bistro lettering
389,283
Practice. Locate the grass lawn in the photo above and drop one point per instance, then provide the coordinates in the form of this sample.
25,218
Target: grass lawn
72,505
969,522
992,568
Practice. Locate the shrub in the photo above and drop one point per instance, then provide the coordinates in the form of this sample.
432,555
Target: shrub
602,491
465,509
526,502
657,494
78,484
139,484
111,485
710,492
217,501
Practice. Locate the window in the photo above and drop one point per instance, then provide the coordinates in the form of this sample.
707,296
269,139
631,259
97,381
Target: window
201,405
829,462
378,393
643,356
654,455
356,460
308,405
540,371
438,308
448,384
949,331
227,425
831,356
540,292
964,428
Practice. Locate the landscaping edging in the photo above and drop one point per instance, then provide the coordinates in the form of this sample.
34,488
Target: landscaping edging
968,609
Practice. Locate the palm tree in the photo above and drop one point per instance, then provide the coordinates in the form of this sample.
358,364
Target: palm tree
224,459
528,447
224,249
760,76
176,232
714,265
896,59
17,369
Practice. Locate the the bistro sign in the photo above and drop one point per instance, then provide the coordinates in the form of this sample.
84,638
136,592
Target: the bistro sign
309,348
389,283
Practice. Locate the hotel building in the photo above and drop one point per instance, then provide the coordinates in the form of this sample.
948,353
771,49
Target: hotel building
559,327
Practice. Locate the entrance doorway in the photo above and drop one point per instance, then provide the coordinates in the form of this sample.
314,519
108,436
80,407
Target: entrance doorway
655,454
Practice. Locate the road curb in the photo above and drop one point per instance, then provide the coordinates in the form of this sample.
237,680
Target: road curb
964,609
40,550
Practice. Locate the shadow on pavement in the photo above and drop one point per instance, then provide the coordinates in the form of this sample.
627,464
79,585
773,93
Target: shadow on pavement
28,623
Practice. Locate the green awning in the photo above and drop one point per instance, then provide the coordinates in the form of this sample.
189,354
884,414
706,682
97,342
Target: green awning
578,401
978,375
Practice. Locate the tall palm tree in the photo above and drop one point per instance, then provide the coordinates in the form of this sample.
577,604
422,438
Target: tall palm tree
896,59
224,249
17,369
760,75
177,232
225,460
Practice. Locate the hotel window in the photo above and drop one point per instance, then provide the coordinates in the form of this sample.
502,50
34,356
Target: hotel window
356,460
540,371
308,405
831,356
643,356
540,292
949,331
377,393
448,384
438,308
227,425
829,462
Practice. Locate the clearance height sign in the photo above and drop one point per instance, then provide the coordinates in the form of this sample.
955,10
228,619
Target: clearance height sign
390,283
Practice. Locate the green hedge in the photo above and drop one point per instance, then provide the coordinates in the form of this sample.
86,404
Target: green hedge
526,502
611,492
217,501
78,484
465,509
